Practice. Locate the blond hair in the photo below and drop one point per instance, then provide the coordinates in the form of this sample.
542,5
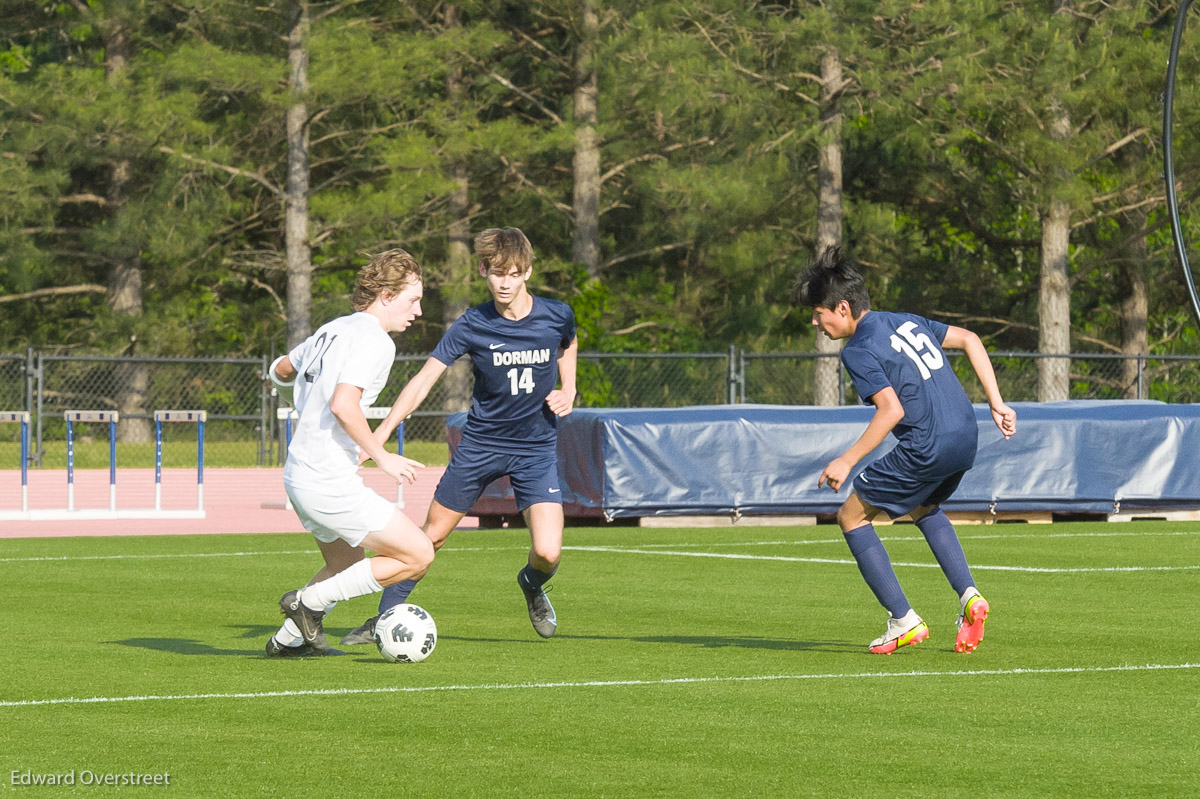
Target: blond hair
503,250
391,271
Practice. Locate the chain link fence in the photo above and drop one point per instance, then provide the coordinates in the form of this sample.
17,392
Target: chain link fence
789,378
243,428
229,389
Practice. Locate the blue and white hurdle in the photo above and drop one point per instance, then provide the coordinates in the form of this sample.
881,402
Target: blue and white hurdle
112,417
22,418
196,417
289,415
73,417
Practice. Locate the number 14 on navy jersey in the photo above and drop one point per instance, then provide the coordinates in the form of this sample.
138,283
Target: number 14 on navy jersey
515,364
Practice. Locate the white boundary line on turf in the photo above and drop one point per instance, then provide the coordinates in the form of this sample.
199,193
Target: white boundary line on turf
851,562
598,684
963,536
151,556
661,549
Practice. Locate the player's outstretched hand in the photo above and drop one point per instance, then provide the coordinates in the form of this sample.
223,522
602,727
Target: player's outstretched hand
560,402
1006,419
835,474
399,467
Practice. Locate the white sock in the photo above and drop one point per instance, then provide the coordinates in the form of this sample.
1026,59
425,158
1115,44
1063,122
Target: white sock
289,634
358,580
966,596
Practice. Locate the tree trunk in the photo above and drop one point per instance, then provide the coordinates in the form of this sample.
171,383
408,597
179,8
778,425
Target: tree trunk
299,254
131,381
457,285
1135,304
1054,301
585,237
829,211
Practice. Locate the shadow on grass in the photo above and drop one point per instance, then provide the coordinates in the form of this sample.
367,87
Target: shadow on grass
183,646
701,641
188,646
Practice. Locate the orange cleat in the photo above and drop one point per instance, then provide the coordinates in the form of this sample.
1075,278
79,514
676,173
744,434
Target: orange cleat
970,624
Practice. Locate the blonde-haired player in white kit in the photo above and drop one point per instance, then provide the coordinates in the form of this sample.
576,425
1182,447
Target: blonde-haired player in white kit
336,373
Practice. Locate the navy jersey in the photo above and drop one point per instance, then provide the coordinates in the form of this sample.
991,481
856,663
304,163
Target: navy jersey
516,366
904,351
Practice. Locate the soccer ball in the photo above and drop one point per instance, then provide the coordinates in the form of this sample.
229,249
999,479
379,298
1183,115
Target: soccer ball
405,634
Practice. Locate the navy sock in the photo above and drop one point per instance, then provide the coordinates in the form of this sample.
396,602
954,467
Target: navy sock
876,569
939,534
396,594
532,578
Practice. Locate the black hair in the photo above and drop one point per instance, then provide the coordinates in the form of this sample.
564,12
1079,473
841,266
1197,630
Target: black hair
828,280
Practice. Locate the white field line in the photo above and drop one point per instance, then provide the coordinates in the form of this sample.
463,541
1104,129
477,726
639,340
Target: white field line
870,675
961,535
649,549
187,555
850,561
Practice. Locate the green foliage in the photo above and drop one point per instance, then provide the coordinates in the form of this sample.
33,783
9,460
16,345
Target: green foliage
174,161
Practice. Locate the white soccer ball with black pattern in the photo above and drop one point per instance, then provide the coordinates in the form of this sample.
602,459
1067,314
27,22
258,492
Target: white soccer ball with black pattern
405,634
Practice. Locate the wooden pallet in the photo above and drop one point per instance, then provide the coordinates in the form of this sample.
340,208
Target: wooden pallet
956,517
728,520
980,517
1163,515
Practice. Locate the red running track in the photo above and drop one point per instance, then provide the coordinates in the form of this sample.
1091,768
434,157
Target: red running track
235,501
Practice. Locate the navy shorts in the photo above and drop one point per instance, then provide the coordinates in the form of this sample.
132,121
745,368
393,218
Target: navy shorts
534,477
897,485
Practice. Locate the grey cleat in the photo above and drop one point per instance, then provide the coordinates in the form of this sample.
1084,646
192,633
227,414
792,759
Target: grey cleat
308,621
362,634
278,650
541,612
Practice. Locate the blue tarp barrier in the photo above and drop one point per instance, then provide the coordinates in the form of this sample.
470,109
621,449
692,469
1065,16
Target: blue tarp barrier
1096,456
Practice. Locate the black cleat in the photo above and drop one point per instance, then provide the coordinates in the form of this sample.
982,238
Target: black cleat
541,612
362,634
308,621
278,650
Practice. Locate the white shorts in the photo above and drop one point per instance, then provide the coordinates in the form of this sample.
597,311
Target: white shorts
348,516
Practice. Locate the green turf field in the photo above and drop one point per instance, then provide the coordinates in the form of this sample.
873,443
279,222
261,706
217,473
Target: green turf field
689,663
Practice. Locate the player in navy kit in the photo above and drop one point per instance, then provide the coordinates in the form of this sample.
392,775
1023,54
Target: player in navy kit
897,364
520,346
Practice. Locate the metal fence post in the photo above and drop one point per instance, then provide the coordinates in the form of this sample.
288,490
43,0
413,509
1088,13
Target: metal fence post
40,377
264,402
741,374
731,375
29,367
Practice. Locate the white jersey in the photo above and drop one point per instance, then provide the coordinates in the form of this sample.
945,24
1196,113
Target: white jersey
352,349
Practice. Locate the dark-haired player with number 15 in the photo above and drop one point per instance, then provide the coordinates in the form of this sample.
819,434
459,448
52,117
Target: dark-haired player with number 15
520,345
897,364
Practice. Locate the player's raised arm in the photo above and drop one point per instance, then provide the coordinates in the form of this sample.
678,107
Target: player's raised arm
411,396
960,338
562,400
